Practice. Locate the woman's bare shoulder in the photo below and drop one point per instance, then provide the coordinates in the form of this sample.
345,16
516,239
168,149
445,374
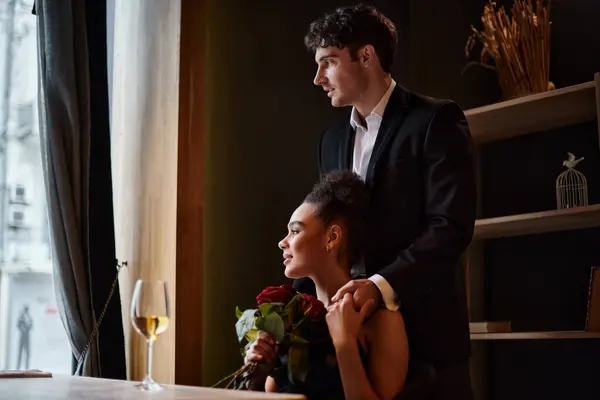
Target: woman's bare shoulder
383,321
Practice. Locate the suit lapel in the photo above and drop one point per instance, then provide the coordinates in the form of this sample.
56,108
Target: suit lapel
392,119
346,148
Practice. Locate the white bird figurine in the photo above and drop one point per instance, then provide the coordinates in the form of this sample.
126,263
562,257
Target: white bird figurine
571,162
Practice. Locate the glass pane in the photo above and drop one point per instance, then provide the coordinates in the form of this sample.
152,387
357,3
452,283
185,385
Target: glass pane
31,332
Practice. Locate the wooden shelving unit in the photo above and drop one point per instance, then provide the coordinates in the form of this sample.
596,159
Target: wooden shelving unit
536,335
539,112
505,120
539,222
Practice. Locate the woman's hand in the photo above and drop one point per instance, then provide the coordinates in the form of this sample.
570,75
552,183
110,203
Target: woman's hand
362,290
263,351
344,321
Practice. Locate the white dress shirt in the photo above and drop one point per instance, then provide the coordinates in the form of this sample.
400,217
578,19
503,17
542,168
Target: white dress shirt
364,140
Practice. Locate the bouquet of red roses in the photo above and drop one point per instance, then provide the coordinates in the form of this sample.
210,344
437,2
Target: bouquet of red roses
293,319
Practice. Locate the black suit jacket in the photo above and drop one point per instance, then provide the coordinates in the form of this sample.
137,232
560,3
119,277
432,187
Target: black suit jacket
421,217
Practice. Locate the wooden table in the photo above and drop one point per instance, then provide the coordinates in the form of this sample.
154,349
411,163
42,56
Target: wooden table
71,388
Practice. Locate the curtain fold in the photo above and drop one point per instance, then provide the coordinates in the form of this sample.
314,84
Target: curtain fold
73,119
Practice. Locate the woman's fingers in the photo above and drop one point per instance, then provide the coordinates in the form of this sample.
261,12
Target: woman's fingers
347,301
266,337
261,350
252,356
265,348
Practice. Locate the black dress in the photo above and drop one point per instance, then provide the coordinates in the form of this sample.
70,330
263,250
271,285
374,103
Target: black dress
323,380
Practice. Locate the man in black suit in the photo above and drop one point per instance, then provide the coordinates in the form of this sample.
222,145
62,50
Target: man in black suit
415,153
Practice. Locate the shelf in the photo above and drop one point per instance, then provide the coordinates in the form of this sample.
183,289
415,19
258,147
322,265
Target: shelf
533,113
536,335
539,222
490,327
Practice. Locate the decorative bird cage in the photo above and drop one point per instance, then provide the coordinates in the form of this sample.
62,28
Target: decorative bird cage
571,185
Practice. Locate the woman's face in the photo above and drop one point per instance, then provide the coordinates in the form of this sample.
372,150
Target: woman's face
305,246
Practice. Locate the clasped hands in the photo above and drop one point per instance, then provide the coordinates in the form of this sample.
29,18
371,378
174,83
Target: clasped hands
352,304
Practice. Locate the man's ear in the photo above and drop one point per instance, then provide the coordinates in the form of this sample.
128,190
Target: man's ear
367,55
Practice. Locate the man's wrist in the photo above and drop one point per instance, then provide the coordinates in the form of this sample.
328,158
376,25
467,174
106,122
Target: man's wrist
378,296
388,296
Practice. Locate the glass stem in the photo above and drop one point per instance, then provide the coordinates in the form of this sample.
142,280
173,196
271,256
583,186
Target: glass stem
149,360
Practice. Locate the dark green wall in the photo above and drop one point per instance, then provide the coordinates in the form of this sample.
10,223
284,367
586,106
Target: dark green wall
265,117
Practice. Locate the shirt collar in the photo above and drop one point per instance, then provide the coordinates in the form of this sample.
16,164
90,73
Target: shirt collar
377,111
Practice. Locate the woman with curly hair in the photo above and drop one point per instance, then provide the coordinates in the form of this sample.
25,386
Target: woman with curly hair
367,356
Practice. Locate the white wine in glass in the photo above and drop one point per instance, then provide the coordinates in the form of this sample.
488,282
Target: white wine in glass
150,317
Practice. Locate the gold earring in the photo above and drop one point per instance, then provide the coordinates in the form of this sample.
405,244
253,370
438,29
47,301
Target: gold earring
328,249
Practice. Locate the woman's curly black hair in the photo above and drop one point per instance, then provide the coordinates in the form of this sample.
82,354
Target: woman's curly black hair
354,27
343,196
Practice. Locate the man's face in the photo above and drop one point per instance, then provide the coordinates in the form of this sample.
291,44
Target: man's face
340,76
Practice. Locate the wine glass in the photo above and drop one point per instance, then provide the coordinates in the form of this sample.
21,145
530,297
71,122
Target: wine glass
150,317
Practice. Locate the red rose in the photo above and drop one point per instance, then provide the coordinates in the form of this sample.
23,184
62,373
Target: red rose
313,305
276,294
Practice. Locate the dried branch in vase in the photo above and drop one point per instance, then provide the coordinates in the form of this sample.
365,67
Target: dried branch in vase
516,47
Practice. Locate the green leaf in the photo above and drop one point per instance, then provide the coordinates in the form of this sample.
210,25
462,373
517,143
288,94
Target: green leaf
265,309
259,323
238,312
296,339
290,311
297,363
273,325
244,324
297,324
292,305
252,335
278,307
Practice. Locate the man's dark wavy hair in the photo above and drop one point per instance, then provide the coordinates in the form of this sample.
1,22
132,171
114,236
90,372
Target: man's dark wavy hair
355,27
343,196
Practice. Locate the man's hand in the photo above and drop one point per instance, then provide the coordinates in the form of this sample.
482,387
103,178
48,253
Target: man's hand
362,290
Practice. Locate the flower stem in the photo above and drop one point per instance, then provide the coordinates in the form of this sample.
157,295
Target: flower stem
240,372
236,372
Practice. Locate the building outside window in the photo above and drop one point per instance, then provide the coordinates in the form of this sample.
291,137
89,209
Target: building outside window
31,332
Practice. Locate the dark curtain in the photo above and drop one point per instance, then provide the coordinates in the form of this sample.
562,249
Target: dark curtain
75,135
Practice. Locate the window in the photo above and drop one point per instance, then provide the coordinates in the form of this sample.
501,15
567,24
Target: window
19,194
24,120
31,333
